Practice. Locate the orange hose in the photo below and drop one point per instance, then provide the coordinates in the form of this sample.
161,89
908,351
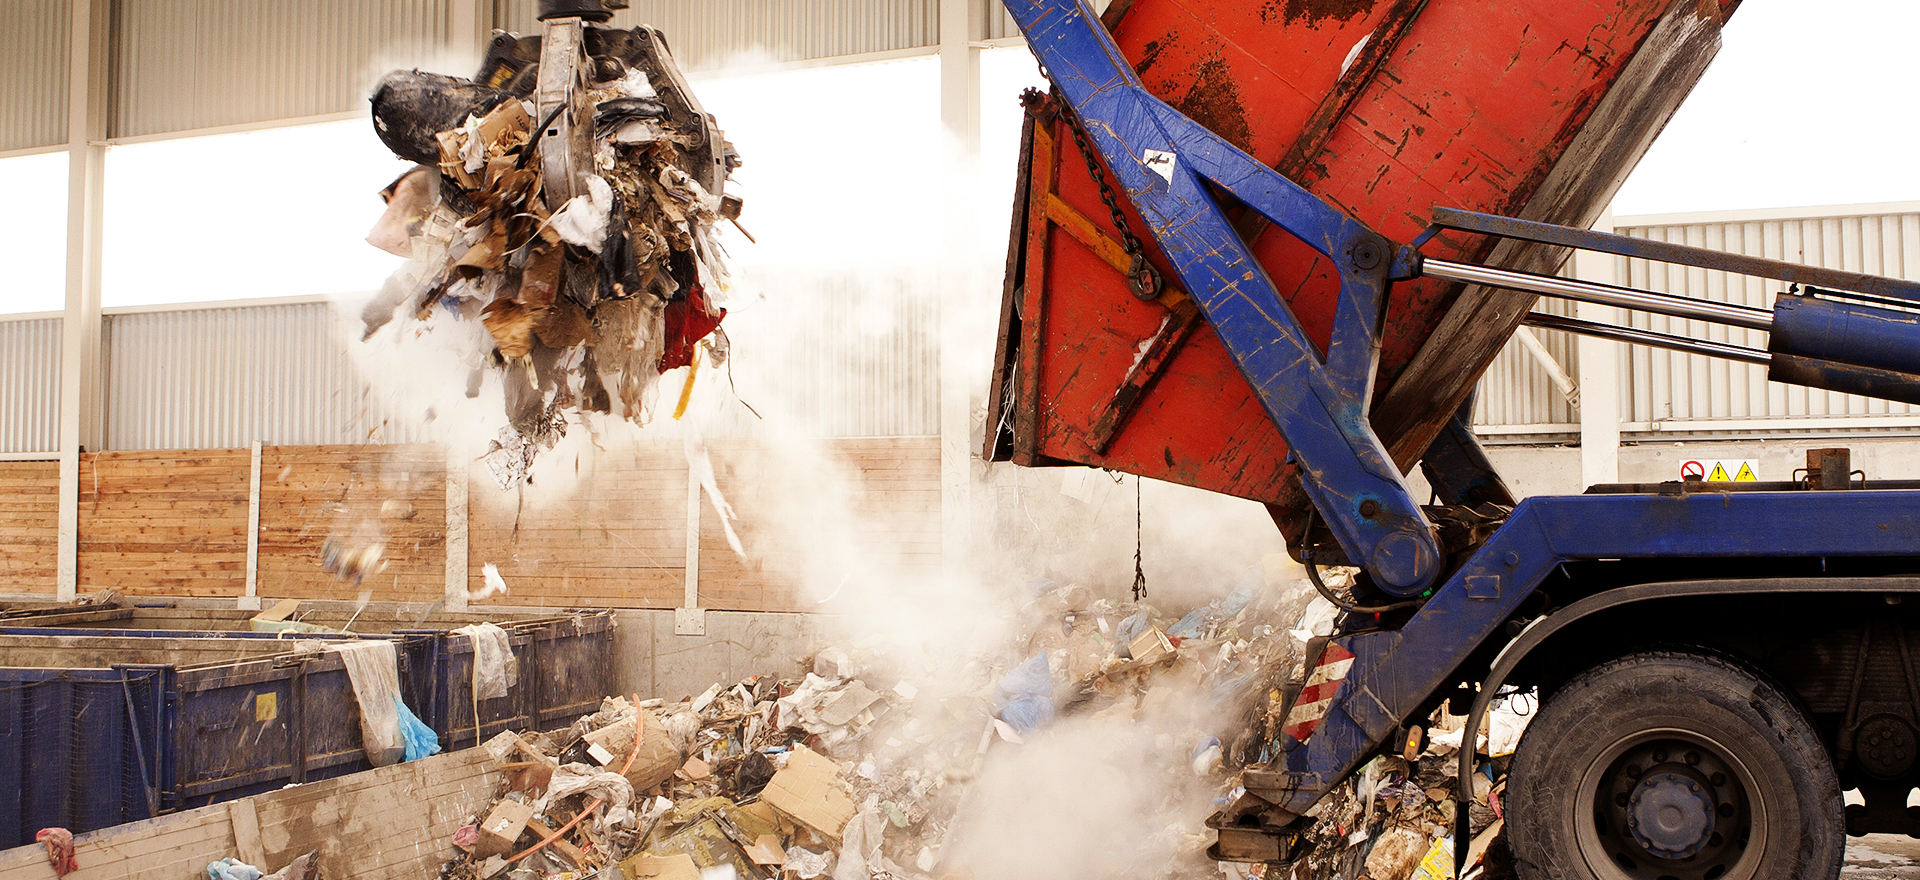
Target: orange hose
631,754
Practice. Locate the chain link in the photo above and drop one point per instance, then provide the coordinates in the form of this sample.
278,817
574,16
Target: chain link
1142,277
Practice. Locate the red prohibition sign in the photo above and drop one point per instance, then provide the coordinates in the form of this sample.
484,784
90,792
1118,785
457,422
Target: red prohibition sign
1693,470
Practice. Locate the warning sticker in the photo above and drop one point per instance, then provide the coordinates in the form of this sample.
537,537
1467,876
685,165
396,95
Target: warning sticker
1722,470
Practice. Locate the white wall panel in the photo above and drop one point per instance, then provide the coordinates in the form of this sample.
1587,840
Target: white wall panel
33,81
29,384
189,64
227,376
831,354
1671,388
708,34
1517,390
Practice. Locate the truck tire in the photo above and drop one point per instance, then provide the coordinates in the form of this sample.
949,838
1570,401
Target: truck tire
1673,765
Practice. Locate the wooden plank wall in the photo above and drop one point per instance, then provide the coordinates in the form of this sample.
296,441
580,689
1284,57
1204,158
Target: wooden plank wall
617,536
394,823
29,525
398,493
173,523
807,518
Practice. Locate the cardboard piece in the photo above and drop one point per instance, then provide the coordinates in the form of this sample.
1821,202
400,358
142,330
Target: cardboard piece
808,791
502,827
767,851
658,759
695,769
1150,646
279,618
678,866
847,704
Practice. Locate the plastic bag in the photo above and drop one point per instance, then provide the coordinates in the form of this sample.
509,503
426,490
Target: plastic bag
1024,697
494,670
420,739
373,668
232,869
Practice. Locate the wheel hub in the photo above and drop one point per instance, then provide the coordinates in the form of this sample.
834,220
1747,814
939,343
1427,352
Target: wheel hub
1670,815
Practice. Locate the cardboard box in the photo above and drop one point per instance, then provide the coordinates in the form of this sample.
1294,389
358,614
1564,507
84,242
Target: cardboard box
808,791
1150,646
678,866
502,827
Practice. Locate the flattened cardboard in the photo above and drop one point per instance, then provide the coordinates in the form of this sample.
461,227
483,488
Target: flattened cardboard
807,790
678,866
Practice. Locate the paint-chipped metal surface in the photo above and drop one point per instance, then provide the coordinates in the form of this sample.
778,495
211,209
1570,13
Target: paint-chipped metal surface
1384,108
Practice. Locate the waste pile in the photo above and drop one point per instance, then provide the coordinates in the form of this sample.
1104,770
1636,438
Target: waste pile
864,767
559,225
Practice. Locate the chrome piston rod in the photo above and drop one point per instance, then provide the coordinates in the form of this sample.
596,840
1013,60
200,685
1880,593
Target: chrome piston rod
1648,338
1602,294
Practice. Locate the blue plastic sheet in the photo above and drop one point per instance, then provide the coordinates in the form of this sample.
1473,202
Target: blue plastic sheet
1024,697
1128,630
420,739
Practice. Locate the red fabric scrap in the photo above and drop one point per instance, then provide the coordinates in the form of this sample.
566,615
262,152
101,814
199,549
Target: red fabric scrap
59,843
685,321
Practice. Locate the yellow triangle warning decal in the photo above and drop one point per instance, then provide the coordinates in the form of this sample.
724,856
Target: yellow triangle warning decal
1719,474
1746,474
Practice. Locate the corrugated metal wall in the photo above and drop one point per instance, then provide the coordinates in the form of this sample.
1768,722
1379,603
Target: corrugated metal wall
225,377
33,81
189,64
708,34
1518,391
29,384
999,22
834,355
1669,387
183,65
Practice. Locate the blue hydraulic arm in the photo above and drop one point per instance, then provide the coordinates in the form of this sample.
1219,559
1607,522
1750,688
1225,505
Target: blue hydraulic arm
1163,161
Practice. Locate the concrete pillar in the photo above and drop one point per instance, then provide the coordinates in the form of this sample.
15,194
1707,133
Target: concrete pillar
1599,372
959,287
80,327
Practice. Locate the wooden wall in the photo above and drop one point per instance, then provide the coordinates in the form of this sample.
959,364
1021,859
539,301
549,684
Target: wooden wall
395,493
617,536
142,515
173,523
393,823
865,506
29,525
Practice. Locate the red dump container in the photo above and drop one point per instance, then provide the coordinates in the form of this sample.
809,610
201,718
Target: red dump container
1385,108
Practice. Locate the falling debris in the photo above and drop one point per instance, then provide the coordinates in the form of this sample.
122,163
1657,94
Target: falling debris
865,766
564,201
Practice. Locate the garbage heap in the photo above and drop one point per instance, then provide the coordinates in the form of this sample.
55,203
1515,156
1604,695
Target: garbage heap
855,770
559,226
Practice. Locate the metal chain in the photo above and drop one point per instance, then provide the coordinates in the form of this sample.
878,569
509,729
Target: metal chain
1142,277
1139,573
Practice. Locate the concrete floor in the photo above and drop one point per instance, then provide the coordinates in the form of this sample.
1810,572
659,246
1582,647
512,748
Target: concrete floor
1882,857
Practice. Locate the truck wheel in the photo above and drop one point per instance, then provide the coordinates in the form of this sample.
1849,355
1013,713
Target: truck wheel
1673,765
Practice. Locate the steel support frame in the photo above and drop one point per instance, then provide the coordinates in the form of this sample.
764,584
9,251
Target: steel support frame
1166,162
1397,671
959,285
80,380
